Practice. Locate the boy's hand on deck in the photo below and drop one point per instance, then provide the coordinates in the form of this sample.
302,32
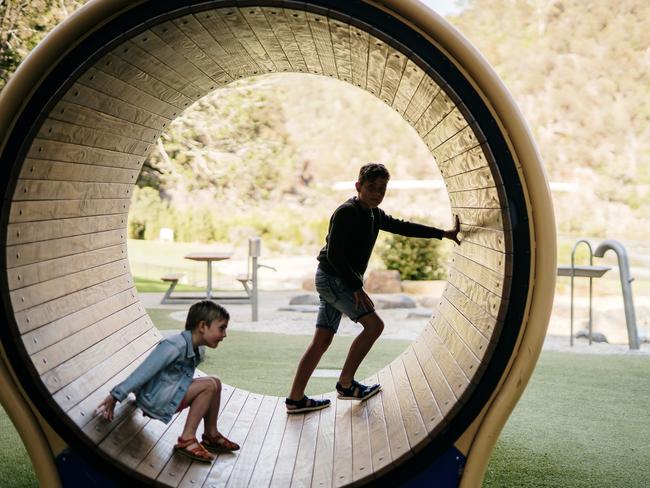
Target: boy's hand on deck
362,300
106,408
453,233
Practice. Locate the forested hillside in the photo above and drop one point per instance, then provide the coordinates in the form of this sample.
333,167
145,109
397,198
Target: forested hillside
261,155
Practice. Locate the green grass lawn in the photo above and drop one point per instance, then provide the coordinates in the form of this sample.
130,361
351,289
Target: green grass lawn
582,421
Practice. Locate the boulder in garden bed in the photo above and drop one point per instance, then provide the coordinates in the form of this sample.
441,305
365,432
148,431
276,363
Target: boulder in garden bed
305,299
393,301
383,281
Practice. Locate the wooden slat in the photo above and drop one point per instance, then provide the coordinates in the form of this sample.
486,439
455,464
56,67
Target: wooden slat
497,261
34,295
281,27
135,70
78,134
465,139
427,405
220,471
76,367
487,218
480,345
469,160
324,458
302,33
427,91
494,282
35,169
250,450
33,318
342,466
149,53
377,53
395,64
237,24
36,190
444,395
22,233
74,113
122,434
63,209
477,316
458,349
170,33
443,131
37,252
321,35
62,328
472,180
224,45
490,238
136,450
361,449
340,35
436,111
259,25
453,373
113,89
413,423
31,274
304,468
91,99
492,304
286,461
408,85
263,468
397,436
359,56
83,153
79,389
378,432
224,67
56,354
483,198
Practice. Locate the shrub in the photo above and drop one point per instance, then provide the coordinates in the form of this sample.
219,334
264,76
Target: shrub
415,259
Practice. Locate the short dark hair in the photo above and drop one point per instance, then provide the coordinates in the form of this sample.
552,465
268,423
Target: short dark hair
372,171
205,310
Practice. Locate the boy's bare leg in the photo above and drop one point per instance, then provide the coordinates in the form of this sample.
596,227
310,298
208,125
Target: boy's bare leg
210,419
200,396
319,344
372,329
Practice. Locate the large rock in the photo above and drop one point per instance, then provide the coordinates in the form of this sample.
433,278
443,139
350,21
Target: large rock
305,299
393,301
383,281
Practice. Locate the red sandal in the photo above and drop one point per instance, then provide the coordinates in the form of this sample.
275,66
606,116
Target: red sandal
198,453
219,443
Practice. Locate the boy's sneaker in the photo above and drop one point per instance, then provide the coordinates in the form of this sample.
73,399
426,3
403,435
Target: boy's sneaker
356,391
305,405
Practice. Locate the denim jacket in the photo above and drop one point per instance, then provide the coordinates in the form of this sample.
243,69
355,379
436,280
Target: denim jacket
162,379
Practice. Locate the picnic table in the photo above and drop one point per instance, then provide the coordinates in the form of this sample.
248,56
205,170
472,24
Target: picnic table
209,257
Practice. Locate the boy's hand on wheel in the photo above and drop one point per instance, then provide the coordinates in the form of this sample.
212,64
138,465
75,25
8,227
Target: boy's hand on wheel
453,233
362,300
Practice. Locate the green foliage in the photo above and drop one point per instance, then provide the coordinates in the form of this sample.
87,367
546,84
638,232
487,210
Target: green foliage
415,259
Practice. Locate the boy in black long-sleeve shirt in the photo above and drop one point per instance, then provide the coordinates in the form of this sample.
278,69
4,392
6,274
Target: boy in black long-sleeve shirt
351,237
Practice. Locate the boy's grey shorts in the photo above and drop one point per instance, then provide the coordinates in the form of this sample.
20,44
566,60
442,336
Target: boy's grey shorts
336,298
